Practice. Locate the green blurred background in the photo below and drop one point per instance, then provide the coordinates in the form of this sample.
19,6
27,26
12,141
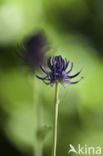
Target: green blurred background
74,29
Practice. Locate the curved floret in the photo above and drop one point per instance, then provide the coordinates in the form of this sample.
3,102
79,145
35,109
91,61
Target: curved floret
58,71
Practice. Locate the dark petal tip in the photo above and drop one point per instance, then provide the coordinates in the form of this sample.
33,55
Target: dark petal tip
42,78
70,82
73,76
44,70
70,68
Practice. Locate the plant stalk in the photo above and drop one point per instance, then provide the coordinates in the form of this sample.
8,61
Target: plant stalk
38,150
39,144
55,119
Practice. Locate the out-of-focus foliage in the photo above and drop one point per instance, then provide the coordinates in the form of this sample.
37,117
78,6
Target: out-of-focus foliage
74,30
17,19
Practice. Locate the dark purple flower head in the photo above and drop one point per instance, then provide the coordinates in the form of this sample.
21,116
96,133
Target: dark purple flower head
58,73
34,49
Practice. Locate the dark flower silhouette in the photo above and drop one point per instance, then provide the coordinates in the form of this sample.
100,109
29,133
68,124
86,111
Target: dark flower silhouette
34,49
57,73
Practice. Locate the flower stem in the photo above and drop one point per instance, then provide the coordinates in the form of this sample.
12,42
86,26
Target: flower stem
39,144
55,119
38,149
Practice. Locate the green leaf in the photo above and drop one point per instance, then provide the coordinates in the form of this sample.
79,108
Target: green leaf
43,132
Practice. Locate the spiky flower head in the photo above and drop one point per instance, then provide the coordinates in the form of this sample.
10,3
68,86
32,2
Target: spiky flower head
58,71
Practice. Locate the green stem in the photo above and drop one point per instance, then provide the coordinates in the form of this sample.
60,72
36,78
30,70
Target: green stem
39,145
38,150
55,119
